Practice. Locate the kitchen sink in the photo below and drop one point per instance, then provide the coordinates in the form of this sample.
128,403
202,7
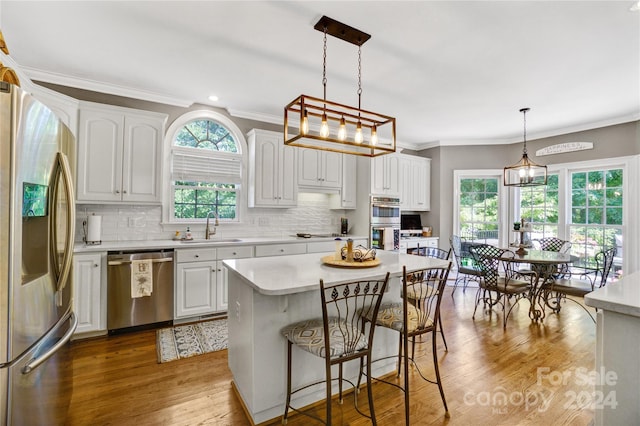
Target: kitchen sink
212,240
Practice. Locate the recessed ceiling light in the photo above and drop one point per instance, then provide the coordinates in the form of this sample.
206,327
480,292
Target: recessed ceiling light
635,7
213,98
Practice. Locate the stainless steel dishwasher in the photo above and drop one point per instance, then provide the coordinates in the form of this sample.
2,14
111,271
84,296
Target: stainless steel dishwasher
125,311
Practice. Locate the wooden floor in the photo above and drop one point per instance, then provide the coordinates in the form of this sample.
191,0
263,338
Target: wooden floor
529,374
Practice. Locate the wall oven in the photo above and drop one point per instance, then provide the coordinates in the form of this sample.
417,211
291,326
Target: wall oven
385,223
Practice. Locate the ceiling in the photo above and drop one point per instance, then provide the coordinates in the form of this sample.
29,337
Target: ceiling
451,72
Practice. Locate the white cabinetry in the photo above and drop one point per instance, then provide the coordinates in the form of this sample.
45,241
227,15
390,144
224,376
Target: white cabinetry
87,291
272,170
385,175
321,169
347,197
196,275
222,293
415,182
281,249
119,154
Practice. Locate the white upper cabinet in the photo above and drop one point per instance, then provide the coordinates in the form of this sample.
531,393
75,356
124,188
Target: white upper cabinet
415,182
385,175
272,170
346,199
119,154
322,169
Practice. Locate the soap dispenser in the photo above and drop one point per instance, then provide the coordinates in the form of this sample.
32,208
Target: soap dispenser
187,235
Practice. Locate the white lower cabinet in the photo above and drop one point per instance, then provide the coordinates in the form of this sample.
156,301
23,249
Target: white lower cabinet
201,279
87,292
196,275
222,293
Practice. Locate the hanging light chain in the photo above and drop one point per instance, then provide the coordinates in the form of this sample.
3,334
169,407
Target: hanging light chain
359,74
324,63
524,119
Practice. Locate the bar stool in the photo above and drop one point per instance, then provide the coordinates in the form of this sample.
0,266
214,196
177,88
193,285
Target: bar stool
436,253
412,317
339,336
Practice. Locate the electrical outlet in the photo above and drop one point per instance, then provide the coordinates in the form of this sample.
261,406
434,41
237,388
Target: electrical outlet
238,311
263,221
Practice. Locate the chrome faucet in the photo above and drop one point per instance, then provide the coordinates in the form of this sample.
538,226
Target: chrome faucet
207,230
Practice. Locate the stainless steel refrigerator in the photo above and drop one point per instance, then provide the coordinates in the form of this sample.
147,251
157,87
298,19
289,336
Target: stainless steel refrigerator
37,222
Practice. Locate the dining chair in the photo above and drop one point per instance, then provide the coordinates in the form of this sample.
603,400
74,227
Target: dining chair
558,245
558,290
500,277
410,319
338,337
464,273
436,253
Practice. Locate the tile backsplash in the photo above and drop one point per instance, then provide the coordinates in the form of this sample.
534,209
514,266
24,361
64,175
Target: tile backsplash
135,222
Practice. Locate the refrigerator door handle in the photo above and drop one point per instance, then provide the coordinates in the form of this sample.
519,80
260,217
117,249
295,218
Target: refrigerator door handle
62,169
36,362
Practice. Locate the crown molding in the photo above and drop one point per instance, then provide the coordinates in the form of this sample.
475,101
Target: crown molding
256,116
96,86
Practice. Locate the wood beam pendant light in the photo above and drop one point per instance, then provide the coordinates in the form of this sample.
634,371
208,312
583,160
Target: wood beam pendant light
525,172
321,124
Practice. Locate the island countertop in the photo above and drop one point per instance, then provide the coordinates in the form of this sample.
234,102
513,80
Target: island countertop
622,296
284,275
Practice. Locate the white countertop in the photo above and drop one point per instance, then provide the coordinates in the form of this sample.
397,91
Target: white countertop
283,275
621,296
213,242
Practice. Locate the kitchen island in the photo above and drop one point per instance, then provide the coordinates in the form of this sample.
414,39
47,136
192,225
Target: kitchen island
615,398
267,293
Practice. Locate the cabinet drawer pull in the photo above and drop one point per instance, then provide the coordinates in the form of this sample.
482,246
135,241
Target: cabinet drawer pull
197,255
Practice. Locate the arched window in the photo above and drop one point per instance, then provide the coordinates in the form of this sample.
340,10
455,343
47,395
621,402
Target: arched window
206,171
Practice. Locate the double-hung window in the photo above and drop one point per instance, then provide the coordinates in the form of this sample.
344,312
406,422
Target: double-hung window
206,172
539,206
596,212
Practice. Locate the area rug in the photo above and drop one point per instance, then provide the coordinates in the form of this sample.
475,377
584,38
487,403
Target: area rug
185,341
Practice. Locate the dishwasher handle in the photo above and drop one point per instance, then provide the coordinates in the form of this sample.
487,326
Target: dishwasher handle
126,262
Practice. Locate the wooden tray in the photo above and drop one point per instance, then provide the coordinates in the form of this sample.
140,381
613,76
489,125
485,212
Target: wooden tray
331,261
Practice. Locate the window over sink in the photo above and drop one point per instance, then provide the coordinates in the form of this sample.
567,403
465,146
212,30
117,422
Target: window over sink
205,168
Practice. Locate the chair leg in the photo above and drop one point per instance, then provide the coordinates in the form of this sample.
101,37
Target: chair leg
437,371
406,378
477,302
370,391
328,390
400,346
340,383
288,402
446,348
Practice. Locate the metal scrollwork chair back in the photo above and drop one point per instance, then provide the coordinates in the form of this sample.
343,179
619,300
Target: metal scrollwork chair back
500,280
339,336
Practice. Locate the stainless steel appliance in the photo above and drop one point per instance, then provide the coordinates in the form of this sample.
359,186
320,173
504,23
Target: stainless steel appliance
125,311
37,223
385,223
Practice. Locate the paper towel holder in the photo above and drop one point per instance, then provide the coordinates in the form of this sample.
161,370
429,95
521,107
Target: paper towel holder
86,233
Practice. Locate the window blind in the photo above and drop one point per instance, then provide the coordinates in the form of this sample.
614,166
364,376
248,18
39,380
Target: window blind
196,165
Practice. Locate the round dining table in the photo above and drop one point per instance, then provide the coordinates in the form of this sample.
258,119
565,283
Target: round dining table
545,264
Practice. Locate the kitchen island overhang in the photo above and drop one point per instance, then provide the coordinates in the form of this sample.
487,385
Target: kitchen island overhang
267,293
